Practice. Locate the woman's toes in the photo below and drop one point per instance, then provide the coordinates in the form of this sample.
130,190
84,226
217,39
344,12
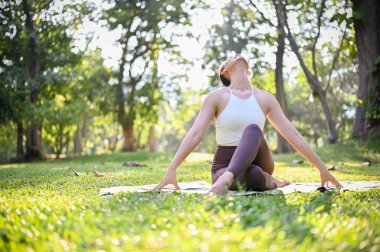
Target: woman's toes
282,183
221,186
218,189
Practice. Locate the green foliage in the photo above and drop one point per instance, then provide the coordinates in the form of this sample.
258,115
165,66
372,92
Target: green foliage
7,140
139,92
45,207
77,93
240,33
376,66
61,115
176,118
373,107
7,112
339,17
45,41
358,15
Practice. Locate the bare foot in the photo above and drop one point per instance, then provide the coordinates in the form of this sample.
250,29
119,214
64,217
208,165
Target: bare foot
220,187
281,183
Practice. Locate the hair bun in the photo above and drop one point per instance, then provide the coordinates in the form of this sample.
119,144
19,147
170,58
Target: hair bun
226,82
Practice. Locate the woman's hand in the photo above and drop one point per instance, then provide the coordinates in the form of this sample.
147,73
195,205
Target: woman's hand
169,178
327,177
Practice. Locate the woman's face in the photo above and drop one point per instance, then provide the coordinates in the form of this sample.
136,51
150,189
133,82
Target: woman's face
232,63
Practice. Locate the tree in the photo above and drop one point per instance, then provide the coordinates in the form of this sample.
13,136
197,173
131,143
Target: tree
36,46
33,62
141,23
60,116
90,87
313,77
238,34
367,37
12,70
282,145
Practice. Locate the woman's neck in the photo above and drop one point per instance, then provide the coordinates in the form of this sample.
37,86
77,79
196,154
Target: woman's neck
239,80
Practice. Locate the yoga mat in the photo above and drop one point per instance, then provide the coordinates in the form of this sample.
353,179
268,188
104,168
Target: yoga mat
202,187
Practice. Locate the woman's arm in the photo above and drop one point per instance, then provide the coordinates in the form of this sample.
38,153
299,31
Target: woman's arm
191,140
281,123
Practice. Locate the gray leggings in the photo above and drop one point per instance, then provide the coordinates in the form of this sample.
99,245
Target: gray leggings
251,162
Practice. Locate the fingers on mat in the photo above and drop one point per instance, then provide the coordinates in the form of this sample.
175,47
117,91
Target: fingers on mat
177,186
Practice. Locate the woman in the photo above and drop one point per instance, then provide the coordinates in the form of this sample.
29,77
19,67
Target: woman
242,158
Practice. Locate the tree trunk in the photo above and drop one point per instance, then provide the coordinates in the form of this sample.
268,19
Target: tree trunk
34,134
66,145
21,97
33,138
33,145
313,81
120,98
333,134
84,130
282,145
112,142
315,137
126,121
59,143
367,38
152,140
128,144
20,139
78,144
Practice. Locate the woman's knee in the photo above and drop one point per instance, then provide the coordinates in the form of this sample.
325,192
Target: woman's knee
259,184
252,129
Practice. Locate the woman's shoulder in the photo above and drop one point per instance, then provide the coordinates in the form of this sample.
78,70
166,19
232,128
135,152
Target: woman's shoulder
264,98
213,97
217,92
263,94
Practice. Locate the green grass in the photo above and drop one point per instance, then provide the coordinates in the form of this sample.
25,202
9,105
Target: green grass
45,207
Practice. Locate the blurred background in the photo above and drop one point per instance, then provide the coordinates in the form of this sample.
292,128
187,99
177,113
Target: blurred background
90,77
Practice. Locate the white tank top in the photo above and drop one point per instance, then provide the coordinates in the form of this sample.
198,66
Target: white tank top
237,115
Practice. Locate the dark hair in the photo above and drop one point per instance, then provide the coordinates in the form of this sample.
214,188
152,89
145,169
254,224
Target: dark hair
226,82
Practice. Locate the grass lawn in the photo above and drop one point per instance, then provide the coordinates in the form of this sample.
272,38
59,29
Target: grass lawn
45,207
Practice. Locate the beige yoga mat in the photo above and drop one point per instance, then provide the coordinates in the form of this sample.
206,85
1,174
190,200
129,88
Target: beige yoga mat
202,187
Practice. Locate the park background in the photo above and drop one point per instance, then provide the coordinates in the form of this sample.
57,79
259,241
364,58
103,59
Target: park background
91,77
104,84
